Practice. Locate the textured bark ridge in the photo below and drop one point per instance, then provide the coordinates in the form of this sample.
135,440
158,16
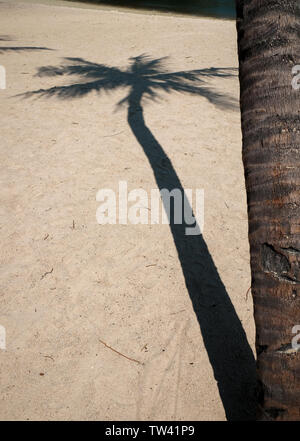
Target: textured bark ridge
269,47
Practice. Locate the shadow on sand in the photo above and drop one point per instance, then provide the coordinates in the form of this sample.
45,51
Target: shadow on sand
228,350
5,49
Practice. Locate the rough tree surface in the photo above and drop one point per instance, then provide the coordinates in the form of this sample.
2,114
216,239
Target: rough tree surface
269,47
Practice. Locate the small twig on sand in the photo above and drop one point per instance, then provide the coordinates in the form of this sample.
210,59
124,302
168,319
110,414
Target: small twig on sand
247,293
145,347
113,134
47,272
48,356
119,353
172,313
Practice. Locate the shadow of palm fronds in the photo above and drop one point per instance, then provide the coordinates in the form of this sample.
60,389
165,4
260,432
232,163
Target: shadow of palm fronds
5,49
144,75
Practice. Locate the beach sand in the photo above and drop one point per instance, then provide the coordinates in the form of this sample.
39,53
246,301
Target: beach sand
69,284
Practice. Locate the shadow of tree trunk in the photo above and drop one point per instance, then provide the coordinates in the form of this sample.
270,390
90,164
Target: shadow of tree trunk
224,338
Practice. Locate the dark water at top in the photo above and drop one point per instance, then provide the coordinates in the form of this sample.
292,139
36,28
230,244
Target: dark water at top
208,8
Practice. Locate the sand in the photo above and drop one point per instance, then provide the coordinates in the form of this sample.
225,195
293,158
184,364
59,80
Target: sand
69,284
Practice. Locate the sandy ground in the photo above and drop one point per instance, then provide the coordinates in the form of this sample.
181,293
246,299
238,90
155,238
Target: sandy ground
68,282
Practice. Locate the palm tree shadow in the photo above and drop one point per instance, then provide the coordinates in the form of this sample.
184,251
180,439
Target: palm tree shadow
6,49
224,338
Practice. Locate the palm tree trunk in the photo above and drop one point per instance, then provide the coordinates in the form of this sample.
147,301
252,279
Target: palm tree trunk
223,335
269,47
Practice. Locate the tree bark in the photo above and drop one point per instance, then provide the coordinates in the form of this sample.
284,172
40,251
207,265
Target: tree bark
269,47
